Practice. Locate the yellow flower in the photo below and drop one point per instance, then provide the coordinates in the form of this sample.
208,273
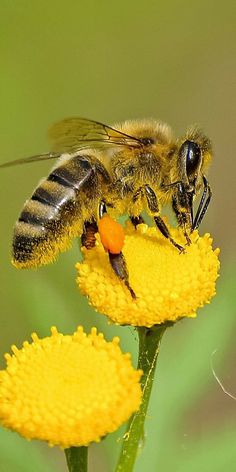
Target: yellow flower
68,390
168,285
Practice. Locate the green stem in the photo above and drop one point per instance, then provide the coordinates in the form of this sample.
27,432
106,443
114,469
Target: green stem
77,459
149,342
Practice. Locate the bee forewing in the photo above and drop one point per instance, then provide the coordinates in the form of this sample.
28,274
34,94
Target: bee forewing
77,133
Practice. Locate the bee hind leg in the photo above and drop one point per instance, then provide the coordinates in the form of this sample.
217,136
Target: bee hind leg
116,259
118,264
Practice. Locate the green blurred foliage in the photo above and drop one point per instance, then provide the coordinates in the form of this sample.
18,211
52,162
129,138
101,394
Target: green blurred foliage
174,61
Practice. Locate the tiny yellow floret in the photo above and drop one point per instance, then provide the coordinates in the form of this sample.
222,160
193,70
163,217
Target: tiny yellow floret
168,285
68,390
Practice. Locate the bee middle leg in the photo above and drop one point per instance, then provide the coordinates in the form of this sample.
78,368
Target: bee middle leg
154,211
137,220
88,239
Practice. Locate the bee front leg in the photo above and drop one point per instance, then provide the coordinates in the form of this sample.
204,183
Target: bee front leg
155,213
182,204
203,205
182,219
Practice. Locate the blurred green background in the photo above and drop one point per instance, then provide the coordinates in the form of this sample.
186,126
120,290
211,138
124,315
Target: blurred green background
110,61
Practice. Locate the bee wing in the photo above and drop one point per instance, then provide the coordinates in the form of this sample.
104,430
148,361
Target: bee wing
75,134
28,160
79,133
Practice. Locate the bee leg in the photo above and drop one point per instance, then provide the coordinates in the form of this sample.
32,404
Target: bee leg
118,264
138,194
102,209
203,205
136,220
88,236
182,204
154,211
117,261
182,218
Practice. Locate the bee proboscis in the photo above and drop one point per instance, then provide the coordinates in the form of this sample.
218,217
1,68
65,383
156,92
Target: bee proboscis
125,169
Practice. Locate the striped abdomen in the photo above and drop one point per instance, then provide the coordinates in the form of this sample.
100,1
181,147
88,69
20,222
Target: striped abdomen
55,212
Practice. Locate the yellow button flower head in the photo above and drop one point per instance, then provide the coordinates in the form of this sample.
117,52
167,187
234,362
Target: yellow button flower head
168,285
68,390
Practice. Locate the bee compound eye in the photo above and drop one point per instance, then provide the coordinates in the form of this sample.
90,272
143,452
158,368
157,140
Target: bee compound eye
192,154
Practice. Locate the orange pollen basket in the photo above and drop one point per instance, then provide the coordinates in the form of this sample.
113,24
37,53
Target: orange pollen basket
112,234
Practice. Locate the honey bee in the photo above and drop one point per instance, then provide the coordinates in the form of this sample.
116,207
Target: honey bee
120,170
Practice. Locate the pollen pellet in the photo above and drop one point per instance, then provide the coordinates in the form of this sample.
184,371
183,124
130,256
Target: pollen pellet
112,234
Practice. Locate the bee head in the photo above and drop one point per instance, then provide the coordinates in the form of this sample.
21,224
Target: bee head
194,156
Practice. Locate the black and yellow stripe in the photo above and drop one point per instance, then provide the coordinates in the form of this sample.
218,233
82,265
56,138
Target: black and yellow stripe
55,212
